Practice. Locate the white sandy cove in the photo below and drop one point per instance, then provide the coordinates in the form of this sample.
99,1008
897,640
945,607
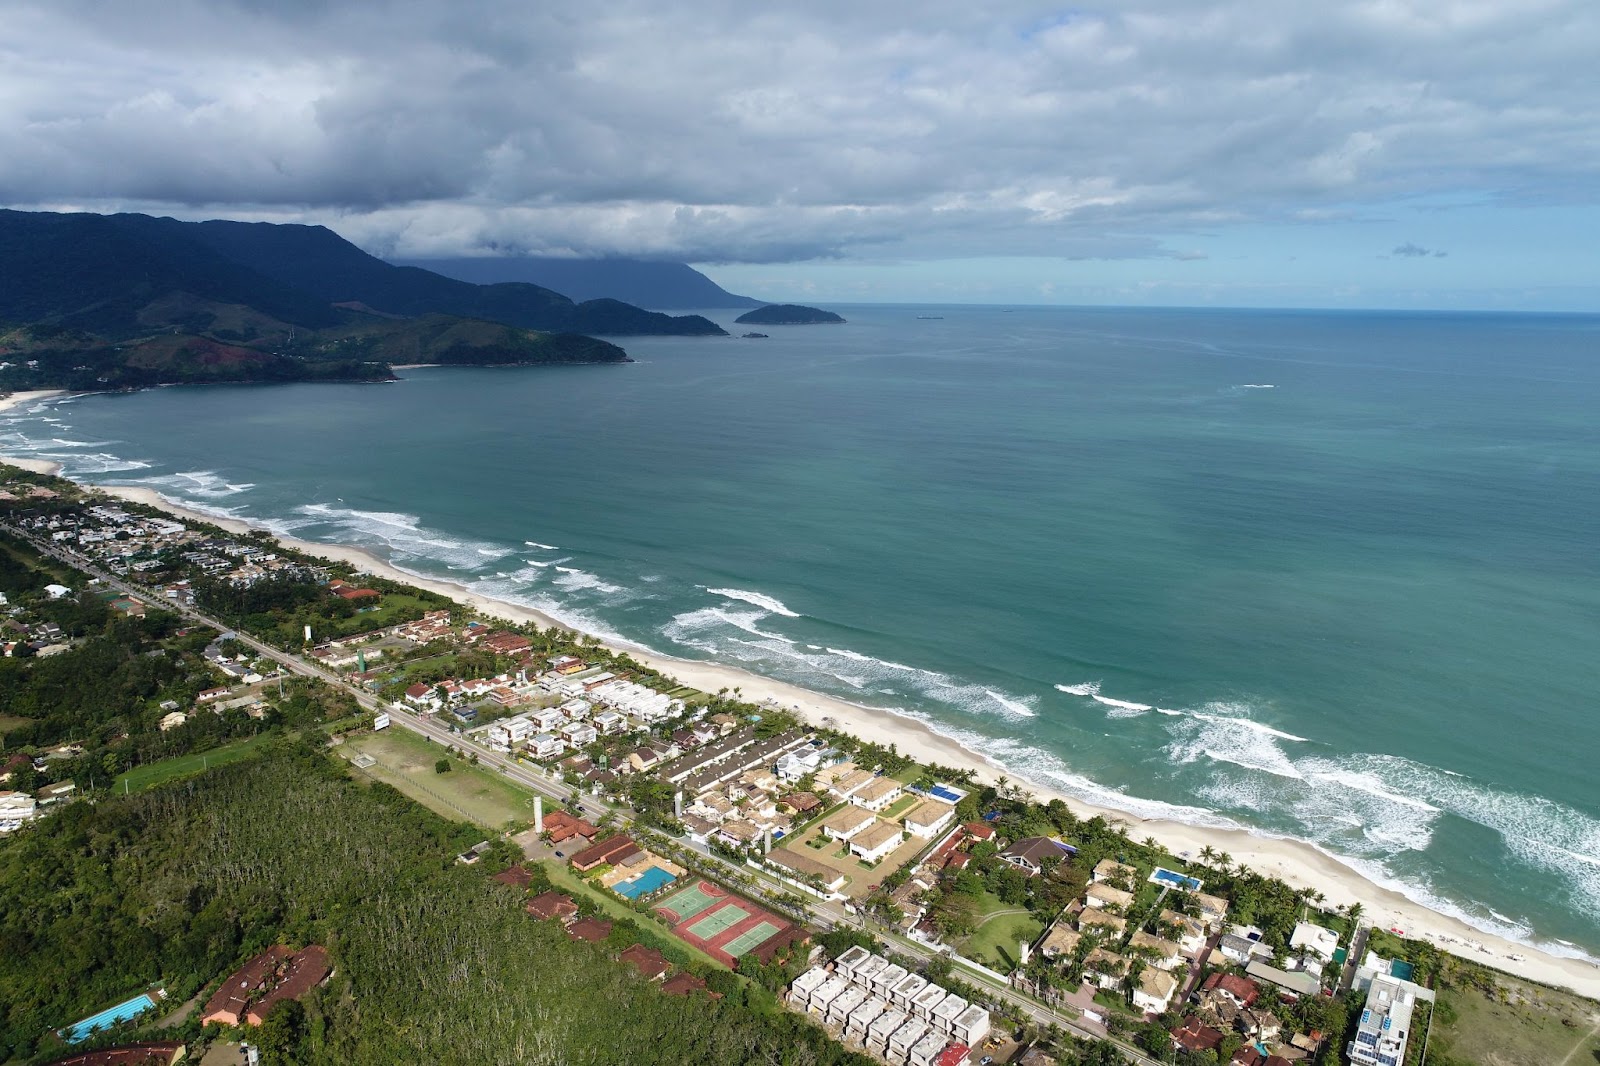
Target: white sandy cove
1294,861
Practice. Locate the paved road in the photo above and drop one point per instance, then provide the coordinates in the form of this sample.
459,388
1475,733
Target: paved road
827,914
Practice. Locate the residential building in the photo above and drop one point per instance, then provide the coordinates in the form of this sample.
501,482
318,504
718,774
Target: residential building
929,818
1112,870
1297,982
1155,990
949,1009
579,734
972,1026
1091,919
847,786
228,1003
1213,909
552,905
905,1038
1061,941
650,963
904,994
1315,939
883,1028
1385,1025
1030,853
799,863
1163,954
1103,896
876,794
861,1019
304,970
610,723
1189,932
847,822
876,842
16,810
546,746
845,1004
927,1001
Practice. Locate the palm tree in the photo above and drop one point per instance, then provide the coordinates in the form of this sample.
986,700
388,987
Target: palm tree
1208,854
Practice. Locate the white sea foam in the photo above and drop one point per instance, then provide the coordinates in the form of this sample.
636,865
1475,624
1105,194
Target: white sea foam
1258,386
1121,708
707,619
404,535
758,599
856,656
1173,714
1012,706
573,580
1088,688
207,484
1231,738
1372,786
536,544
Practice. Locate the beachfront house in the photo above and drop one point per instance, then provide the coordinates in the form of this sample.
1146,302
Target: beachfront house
845,823
929,818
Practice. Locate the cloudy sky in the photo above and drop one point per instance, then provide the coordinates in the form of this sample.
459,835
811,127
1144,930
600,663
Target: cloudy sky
1391,153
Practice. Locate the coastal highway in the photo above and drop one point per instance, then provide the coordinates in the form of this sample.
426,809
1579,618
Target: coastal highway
825,913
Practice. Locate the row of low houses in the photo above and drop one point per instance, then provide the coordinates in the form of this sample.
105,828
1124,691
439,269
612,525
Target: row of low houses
898,1016
872,839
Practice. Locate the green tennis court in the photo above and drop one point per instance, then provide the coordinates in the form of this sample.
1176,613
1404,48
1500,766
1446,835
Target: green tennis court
719,921
689,902
751,938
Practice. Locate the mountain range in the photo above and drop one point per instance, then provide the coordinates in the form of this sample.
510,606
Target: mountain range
92,300
662,286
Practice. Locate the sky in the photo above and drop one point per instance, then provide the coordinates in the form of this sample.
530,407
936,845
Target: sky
1387,153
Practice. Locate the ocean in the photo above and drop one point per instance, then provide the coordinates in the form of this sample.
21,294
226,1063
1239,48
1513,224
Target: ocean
1330,576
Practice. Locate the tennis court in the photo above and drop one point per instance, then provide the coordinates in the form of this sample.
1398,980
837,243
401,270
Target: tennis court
682,906
751,938
719,921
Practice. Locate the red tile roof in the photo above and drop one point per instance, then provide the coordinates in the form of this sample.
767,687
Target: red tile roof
1240,988
1195,1035
682,984
607,851
551,905
590,929
304,972
648,961
516,877
228,1002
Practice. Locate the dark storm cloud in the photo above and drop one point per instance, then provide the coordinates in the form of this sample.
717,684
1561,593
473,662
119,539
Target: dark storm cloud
722,131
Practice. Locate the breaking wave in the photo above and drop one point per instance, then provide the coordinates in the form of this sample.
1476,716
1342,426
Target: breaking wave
758,599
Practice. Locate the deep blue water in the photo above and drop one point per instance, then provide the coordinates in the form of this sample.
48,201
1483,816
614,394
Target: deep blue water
1357,607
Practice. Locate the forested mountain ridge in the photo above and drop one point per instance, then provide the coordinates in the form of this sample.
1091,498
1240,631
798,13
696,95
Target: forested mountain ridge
100,272
664,286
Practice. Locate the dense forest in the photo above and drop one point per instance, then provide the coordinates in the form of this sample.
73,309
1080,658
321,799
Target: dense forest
434,961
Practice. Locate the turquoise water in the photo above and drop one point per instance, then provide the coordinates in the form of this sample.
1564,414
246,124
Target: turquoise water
131,1008
1357,607
645,883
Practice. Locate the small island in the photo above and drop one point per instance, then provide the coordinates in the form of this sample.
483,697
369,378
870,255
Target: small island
787,315
755,336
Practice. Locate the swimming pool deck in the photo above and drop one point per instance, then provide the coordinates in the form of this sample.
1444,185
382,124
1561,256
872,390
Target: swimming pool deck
105,1019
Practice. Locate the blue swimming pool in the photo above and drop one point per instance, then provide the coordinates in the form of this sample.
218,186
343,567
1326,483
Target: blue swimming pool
644,884
1162,876
107,1018
946,793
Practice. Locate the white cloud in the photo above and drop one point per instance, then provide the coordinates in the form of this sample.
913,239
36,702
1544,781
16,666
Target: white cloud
716,131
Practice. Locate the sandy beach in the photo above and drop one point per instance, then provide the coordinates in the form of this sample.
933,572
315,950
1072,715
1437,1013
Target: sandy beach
1294,861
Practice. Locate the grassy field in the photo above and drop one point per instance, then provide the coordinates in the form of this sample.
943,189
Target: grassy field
1520,1025
9,722
406,761
142,777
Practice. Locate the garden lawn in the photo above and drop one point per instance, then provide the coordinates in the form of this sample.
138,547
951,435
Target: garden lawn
997,938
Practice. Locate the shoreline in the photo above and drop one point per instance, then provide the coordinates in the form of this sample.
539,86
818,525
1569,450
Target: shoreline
1297,862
